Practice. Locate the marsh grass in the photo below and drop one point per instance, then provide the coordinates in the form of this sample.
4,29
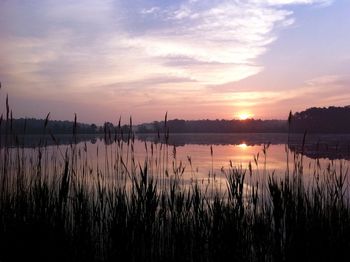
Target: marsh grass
56,206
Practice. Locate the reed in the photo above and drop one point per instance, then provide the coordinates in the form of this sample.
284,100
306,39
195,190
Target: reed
56,206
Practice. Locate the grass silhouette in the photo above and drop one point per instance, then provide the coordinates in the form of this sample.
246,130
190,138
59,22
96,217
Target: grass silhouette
55,207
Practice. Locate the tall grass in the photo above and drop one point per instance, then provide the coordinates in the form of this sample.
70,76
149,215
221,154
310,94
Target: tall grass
56,206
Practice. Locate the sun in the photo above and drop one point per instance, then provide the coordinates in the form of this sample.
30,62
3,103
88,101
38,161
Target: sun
244,116
243,145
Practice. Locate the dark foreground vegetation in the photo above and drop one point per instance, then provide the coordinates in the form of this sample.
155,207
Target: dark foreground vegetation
54,206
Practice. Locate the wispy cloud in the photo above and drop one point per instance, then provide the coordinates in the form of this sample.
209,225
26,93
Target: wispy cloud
291,2
224,38
100,47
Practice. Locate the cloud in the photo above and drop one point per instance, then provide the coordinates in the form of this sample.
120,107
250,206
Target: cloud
94,48
221,40
291,2
319,91
329,81
224,39
151,10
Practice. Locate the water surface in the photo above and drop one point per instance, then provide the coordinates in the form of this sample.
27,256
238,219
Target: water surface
199,156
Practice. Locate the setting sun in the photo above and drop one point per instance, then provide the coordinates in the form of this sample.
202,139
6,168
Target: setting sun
243,145
244,116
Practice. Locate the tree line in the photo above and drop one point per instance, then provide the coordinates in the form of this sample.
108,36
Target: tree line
313,120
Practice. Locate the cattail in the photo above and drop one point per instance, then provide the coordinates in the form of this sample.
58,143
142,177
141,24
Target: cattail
189,160
7,108
290,118
11,121
46,120
250,168
303,145
75,124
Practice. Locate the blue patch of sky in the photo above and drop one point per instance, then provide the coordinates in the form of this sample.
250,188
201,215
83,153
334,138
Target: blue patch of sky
318,34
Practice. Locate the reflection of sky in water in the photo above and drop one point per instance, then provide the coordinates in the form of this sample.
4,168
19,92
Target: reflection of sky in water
223,155
239,154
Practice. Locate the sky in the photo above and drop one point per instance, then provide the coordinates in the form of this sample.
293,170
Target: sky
195,59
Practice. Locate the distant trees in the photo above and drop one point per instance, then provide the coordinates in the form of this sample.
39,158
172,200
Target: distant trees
36,126
322,120
216,126
313,120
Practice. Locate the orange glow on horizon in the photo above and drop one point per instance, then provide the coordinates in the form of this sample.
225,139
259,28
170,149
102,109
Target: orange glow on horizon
244,116
243,145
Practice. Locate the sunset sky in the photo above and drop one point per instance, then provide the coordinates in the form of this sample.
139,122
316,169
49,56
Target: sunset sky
196,59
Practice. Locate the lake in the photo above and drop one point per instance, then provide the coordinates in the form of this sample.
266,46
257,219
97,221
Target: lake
95,188
196,157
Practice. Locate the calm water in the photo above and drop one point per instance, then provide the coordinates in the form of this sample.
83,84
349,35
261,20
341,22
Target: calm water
200,156
240,150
